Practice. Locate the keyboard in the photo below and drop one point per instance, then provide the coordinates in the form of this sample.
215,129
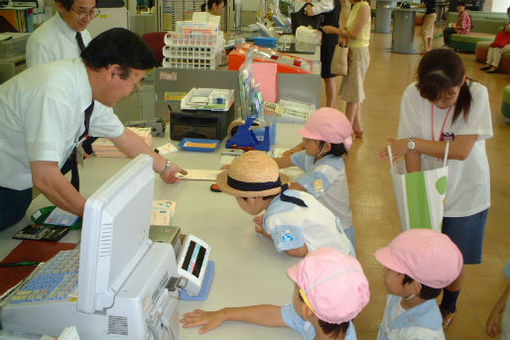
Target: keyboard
55,280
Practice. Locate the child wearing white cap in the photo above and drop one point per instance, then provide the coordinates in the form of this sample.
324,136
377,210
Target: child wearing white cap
327,136
418,263
499,319
331,290
295,221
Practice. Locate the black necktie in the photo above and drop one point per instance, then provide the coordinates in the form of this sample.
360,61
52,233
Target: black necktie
79,39
73,158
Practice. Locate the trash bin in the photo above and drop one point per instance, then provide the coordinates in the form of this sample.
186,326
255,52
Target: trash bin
383,12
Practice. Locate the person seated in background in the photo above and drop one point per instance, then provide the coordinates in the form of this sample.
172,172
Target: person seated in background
330,291
463,26
215,7
498,47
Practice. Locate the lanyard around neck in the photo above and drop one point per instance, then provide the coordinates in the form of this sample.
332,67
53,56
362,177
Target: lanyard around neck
432,121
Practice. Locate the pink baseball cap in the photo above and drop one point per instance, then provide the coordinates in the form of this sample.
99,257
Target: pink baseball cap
328,125
334,284
425,255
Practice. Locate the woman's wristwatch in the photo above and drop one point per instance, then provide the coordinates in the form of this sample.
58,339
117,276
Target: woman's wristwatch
411,144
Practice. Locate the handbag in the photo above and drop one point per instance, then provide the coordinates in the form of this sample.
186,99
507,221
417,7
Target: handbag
502,39
300,18
420,195
339,62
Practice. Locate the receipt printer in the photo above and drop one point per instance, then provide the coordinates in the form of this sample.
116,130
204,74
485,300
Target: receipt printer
192,267
200,123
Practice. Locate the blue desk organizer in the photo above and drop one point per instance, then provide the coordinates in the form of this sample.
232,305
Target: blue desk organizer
206,285
246,138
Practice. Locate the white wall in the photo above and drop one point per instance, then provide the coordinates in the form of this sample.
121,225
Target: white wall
498,6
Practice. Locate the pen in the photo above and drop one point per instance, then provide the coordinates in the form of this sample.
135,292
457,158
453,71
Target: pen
19,264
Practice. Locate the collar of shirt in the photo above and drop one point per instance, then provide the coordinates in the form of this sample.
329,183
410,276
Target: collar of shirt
68,31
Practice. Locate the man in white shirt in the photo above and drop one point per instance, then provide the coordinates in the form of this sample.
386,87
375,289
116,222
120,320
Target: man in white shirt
42,120
64,36
57,38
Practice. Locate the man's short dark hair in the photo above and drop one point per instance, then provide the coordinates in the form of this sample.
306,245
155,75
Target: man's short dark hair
119,46
69,3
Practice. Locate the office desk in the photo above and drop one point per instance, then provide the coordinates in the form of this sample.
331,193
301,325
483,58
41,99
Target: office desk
248,268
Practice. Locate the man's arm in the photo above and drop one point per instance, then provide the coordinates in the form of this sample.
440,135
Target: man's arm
47,177
133,145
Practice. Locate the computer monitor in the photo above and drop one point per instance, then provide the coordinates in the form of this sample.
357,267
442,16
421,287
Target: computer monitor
115,233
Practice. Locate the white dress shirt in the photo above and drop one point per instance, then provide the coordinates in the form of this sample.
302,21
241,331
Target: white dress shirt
41,118
54,40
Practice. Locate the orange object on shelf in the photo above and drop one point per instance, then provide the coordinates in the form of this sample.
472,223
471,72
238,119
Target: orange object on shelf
286,63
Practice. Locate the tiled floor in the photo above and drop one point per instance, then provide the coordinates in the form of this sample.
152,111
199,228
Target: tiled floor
375,216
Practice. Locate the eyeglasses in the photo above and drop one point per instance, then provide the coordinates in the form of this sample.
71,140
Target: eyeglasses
138,84
83,14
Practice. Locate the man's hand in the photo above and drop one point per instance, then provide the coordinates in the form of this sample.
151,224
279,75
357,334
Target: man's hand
169,175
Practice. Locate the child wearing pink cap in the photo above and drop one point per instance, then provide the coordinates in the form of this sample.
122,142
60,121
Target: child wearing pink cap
331,290
418,263
327,136
499,319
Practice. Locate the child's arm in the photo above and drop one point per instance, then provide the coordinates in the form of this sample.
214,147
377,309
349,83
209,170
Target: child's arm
297,148
266,315
298,252
493,326
283,162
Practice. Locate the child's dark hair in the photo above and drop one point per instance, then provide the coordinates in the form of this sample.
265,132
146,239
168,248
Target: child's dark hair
461,3
333,329
438,72
264,197
210,3
426,292
337,150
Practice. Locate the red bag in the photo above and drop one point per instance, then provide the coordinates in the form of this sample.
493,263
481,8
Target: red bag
502,39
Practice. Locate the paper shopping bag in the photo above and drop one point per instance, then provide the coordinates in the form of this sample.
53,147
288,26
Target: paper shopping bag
339,61
420,195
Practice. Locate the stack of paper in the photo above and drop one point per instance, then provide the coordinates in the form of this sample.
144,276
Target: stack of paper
103,147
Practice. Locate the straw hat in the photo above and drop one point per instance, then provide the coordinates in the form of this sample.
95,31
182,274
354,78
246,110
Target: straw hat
253,174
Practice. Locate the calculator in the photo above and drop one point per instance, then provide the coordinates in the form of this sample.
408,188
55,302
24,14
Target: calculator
41,233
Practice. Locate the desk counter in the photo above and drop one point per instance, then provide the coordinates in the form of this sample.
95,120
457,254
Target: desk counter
248,268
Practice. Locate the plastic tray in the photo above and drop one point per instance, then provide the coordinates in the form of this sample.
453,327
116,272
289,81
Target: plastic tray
205,92
209,144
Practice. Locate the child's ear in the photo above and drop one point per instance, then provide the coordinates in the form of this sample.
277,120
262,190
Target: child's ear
327,147
307,312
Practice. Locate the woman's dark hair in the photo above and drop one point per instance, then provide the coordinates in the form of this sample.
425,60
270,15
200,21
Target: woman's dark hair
337,150
426,292
119,46
211,2
438,72
333,329
508,10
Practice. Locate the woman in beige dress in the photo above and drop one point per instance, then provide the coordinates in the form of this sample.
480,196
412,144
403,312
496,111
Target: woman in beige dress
357,34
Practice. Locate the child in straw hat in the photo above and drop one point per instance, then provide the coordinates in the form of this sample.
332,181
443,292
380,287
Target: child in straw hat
327,136
330,290
295,220
419,263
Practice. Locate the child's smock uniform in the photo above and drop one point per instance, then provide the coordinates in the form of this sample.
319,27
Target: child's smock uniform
326,180
305,328
291,225
468,189
423,322
505,322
